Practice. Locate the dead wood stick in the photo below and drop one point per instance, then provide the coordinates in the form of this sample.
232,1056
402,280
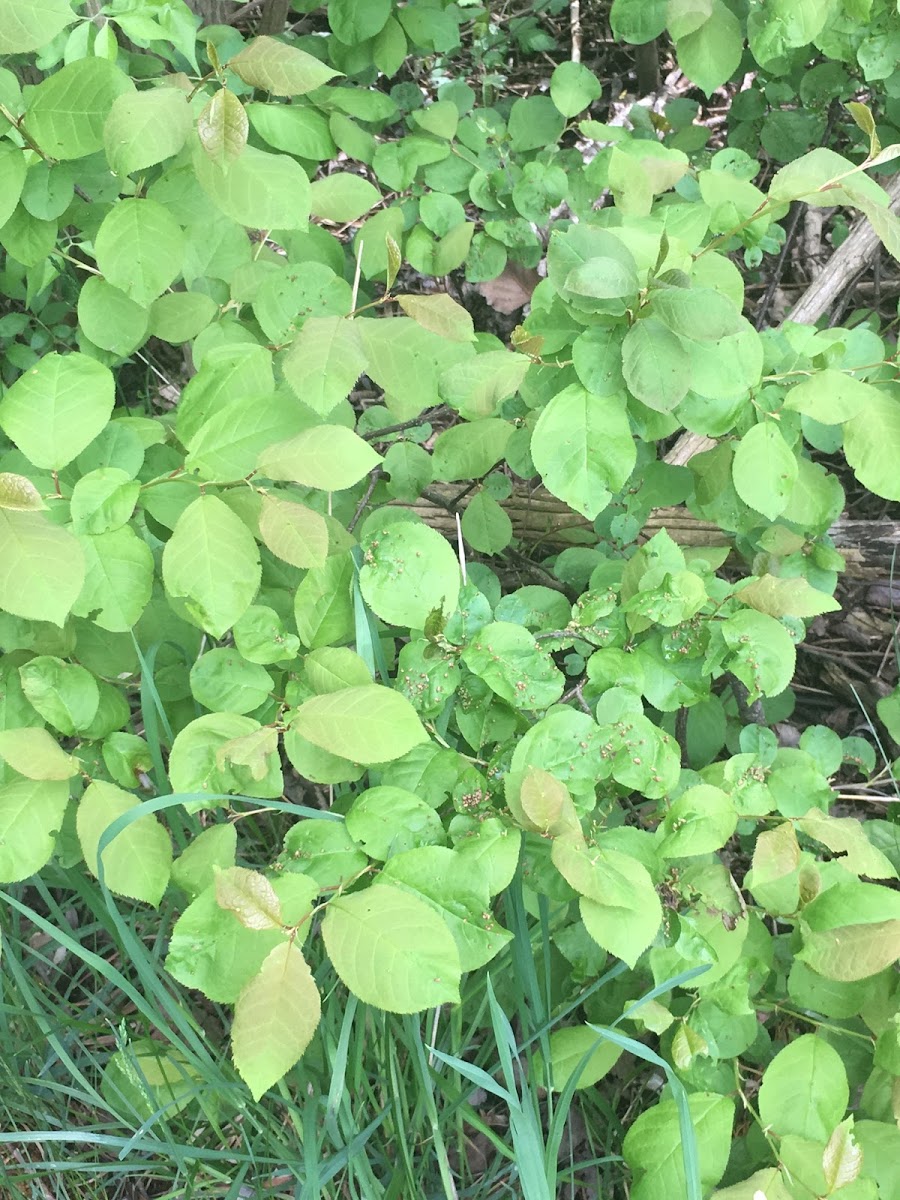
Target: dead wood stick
540,519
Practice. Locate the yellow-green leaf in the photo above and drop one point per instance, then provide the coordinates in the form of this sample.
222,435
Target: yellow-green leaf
138,861
250,896
36,754
274,1019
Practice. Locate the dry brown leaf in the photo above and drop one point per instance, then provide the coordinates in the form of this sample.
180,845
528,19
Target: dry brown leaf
511,289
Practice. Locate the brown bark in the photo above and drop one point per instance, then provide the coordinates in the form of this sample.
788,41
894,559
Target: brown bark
212,12
539,519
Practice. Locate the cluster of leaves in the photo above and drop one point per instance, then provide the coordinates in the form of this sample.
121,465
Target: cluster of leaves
244,579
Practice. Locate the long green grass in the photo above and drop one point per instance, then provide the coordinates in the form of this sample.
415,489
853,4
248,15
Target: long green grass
448,1104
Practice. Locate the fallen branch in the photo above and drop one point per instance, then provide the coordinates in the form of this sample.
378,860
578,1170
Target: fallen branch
540,519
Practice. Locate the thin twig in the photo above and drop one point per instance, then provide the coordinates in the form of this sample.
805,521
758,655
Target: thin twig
575,26
374,476
245,10
762,310
376,435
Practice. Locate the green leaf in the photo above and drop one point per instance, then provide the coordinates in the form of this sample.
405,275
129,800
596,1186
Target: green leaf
698,313
871,444
212,951
534,122
65,694
41,567
25,27
222,681
144,128
701,820
619,905
392,950
325,851
215,847
201,758
333,668
140,248
452,886
568,1047
485,525
583,448
440,314
763,653
597,358
409,571
228,443
103,500
654,1151
573,87
355,21
812,178
138,861
296,129
764,469
261,637
275,1018
513,665
712,53
637,21
386,821
259,190
212,563
57,408
222,128
490,847
323,604
544,805
477,387
370,724
470,449
179,316
118,579
845,836
831,397
313,763
655,365
684,16
330,457
851,931
67,112
342,197
227,373
787,597
324,362
768,1182
406,360
34,753
389,48
279,68
804,1090
26,239
31,815
296,534
12,178
148,1077
109,318
441,118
